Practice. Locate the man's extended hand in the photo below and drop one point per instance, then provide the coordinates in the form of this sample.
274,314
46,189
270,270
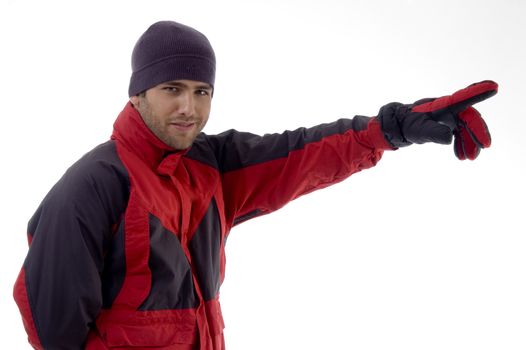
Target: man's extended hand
439,119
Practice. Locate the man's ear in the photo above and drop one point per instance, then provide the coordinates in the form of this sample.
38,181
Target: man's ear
135,101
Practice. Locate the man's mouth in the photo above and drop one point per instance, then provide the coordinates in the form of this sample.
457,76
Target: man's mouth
183,126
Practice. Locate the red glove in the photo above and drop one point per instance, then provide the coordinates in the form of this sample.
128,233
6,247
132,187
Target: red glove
439,119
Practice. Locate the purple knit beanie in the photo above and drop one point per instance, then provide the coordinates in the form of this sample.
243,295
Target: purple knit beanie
170,51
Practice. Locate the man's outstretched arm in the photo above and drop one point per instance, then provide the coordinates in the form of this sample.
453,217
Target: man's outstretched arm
263,173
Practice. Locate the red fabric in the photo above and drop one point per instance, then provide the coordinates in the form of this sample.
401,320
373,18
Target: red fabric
472,135
459,96
335,158
137,279
162,329
124,327
20,295
478,130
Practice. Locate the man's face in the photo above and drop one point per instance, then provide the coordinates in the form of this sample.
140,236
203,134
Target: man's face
175,111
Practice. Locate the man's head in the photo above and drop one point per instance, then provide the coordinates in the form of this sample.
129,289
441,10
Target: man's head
172,81
175,111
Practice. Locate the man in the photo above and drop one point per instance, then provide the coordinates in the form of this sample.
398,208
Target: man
127,249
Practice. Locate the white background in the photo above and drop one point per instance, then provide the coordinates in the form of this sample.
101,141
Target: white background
421,252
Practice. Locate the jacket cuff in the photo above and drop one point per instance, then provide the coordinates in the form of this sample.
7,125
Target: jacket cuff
377,136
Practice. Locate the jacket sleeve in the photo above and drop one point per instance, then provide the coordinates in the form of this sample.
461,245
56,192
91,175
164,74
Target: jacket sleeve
58,290
260,174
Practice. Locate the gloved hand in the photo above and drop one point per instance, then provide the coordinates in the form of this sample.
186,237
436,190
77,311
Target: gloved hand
439,119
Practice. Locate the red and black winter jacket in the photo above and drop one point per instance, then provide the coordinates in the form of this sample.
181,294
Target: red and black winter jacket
127,249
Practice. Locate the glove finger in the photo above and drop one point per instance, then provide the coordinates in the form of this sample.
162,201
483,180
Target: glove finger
422,101
419,128
465,145
458,147
461,99
476,126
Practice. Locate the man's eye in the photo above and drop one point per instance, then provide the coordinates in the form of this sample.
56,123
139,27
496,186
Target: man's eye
171,89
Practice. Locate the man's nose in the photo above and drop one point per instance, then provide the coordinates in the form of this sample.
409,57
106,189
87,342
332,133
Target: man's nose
186,104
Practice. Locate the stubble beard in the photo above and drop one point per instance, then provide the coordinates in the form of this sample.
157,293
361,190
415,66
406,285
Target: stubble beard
159,129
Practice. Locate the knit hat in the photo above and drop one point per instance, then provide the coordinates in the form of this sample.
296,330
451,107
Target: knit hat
170,51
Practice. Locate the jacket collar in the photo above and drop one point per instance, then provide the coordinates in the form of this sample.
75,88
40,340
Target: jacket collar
132,132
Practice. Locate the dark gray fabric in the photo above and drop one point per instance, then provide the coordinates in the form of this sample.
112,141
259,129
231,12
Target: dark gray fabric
171,51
